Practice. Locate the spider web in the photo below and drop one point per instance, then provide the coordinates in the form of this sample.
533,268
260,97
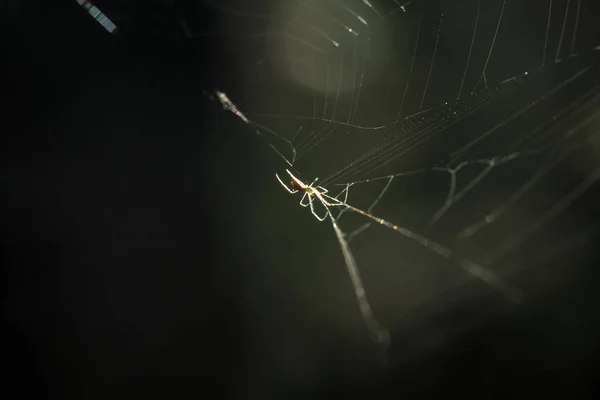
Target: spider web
470,125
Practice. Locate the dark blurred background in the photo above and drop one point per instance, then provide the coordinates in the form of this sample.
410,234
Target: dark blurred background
150,253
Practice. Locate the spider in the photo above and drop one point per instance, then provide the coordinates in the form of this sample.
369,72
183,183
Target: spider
311,191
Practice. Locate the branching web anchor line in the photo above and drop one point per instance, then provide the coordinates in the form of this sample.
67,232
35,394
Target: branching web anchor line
380,334
548,216
312,192
228,105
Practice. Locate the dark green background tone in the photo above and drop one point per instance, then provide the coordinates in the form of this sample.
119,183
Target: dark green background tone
150,253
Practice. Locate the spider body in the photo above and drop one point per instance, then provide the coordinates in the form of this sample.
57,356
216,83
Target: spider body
311,191
298,185
381,335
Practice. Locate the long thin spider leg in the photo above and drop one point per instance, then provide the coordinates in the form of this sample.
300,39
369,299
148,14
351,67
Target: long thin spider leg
331,201
312,209
346,189
336,197
291,191
335,202
327,204
302,202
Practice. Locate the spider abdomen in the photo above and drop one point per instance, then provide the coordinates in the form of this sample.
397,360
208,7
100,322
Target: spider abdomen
298,186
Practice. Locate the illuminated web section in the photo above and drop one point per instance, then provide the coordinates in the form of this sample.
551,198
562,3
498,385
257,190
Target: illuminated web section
464,136
98,15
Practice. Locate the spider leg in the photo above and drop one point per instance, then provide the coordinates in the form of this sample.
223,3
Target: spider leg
312,209
302,202
344,191
291,191
331,201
